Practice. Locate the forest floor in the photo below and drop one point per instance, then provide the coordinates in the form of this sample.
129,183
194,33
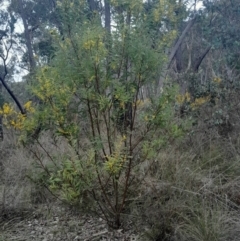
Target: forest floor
58,223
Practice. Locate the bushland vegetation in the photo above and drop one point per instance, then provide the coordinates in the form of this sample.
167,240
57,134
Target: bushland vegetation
129,110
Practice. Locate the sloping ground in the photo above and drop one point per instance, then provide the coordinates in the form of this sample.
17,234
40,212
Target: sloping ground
57,224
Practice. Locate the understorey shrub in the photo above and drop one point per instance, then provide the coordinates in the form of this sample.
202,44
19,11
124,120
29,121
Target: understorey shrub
92,97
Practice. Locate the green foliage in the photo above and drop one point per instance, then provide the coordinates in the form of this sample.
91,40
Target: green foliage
91,97
74,179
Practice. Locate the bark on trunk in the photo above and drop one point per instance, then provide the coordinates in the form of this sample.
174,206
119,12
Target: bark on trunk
200,59
27,37
180,40
107,16
92,5
173,54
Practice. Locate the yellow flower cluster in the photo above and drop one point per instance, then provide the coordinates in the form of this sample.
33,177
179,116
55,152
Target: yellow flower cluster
46,88
183,98
63,132
142,103
115,162
157,13
89,44
149,117
200,101
92,43
6,110
28,107
18,122
217,80
196,103
12,118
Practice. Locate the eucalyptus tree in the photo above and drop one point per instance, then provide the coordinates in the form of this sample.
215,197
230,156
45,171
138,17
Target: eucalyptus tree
36,17
7,60
210,48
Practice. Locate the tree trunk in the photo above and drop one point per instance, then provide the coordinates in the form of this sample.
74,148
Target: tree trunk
180,40
92,5
173,54
32,62
107,16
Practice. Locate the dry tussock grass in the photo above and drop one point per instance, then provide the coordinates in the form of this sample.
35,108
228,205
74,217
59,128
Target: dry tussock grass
189,192
15,163
191,195
18,164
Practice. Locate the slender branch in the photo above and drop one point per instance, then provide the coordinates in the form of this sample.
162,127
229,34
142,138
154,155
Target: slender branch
103,189
107,124
40,162
10,92
200,59
47,153
2,78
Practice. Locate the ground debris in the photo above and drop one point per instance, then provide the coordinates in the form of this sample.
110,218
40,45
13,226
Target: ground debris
59,224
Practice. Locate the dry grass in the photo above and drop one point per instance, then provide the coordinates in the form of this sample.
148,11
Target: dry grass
189,192
189,195
15,163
